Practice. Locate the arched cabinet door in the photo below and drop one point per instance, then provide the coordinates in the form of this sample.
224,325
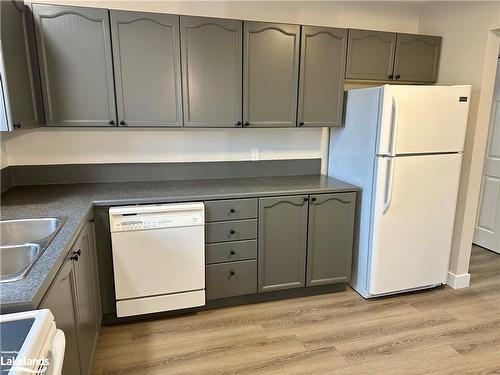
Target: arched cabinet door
270,74
370,55
146,56
74,53
211,71
321,83
417,58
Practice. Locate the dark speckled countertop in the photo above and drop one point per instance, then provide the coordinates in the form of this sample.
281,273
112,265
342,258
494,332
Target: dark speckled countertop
74,202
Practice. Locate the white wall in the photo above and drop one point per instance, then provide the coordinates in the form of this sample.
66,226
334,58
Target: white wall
52,146
469,55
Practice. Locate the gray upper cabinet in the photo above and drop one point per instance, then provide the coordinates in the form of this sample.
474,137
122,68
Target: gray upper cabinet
370,55
417,58
74,53
270,74
61,302
322,68
146,57
330,238
211,71
22,104
282,242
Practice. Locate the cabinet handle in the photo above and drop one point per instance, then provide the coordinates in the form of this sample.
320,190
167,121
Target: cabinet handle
231,273
232,210
301,123
391,76
123,123
78,252
112,122
398,76
313,199
238,123
74,257
17,125
306,199
246,124
232,231
232,252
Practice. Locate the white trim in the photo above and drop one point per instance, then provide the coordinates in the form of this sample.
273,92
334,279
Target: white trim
458,281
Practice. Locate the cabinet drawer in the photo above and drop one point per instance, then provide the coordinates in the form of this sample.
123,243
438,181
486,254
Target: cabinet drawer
231,279
231,251
231,231
233,209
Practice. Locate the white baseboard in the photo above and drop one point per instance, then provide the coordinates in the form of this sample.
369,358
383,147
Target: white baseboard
458,281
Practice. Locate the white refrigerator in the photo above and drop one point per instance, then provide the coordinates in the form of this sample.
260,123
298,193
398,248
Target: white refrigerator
403,146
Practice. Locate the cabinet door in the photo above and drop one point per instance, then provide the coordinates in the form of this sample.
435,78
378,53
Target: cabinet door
211,71
322,68
85,298
59,300
282,242
74,53
270,74
19,71
417,58
146,58
330,238
370,55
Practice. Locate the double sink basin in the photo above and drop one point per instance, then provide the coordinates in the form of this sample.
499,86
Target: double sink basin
22,242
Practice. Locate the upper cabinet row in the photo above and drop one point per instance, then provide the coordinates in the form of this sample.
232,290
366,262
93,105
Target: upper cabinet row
118,68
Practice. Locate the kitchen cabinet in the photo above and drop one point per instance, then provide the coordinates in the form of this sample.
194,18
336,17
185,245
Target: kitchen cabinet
146,60
211,71
74,53
282,242
270,74
60,300
74,301
370,55
330,238
417,57
19,76
322,68
231,279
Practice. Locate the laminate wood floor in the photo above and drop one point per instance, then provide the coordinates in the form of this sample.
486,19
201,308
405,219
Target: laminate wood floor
440,331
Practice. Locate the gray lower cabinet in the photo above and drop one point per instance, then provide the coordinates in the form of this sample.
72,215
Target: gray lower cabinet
330,238
282,242
20,82
231,279
231,230
370,55
146,58
74,53
270,74
211,71
73,300
60,300
417,58
321,83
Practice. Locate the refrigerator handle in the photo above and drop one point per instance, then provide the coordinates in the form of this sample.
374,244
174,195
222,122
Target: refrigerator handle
388,185
394,125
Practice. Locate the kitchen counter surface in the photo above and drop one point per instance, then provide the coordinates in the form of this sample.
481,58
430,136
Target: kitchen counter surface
74,203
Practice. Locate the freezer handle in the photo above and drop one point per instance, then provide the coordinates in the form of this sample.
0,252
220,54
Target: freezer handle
388,184
394,125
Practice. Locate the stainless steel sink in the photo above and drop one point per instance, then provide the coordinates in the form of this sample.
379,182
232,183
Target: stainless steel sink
22,242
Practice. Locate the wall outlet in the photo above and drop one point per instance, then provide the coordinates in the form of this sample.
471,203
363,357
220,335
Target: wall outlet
255,153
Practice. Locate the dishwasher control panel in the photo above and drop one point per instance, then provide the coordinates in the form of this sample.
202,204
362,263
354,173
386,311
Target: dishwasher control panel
156,217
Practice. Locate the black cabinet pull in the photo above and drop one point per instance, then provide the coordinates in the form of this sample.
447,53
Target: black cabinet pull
231,273
123,123
306,199
398,76
247,123
112,122
17,125
313,199
74,257
232,210
78,252
238,123
301,123
391,76
232,231
233,252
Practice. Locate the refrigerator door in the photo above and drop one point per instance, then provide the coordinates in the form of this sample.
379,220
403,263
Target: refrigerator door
422,119
413,217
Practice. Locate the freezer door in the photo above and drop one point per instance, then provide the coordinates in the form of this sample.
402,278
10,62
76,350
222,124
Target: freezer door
413,216
422,119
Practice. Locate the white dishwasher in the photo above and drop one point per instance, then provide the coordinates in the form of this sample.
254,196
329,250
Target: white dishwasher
158,257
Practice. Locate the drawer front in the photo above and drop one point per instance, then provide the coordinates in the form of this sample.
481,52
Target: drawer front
234,209
231,279
231,251
231,231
